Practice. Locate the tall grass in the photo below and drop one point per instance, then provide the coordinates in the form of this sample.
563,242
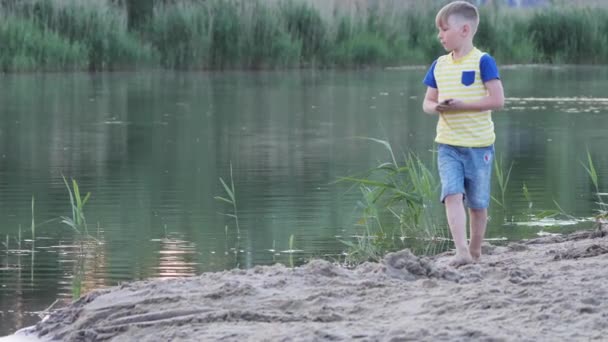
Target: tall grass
220,34
231,200
78,220
570,35
33,226
398,198
182,30
86,242
503,176
98,25
70,34
602,210
27,47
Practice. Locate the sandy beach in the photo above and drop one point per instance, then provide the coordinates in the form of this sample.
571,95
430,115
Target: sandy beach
546,289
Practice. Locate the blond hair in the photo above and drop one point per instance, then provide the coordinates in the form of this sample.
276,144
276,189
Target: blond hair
462,9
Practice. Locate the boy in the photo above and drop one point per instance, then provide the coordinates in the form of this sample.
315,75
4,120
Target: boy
462,88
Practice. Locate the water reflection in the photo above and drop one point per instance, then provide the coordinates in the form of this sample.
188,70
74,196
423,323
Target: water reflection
561,104
177,258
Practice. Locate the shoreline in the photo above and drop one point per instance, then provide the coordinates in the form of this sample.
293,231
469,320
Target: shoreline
549,288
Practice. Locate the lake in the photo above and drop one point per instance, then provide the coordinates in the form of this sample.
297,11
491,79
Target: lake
151,147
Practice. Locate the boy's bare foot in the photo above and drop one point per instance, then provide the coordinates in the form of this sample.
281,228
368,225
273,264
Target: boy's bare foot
461,260
476,256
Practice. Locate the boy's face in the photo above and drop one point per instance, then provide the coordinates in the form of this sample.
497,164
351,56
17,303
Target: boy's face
452,34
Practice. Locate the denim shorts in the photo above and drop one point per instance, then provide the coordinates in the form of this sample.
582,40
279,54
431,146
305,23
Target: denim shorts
467,171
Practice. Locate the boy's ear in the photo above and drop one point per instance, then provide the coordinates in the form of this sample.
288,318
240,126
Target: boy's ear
466,29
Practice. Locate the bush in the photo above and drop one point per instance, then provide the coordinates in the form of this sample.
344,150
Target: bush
28,48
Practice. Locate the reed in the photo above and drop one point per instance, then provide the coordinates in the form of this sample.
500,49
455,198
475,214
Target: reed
602,207
78,220
291,250
19,239
231,200
365,248
33,225
396,195
253,34
86,241
502,176
27,47
537,214
570,35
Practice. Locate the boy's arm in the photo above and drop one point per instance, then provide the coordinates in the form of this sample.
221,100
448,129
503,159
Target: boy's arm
430,103
491,80
494,100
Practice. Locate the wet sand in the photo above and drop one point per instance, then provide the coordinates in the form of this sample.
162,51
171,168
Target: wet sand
547,289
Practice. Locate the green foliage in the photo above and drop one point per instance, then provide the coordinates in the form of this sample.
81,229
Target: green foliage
220,34
139,12
367,248
100,26
73,34
180,32
265,40
305,25
362,49
27,47
396,198
572,35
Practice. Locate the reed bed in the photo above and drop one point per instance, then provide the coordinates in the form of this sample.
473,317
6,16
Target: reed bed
42,35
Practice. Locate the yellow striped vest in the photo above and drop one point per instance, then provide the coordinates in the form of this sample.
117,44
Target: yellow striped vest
461,79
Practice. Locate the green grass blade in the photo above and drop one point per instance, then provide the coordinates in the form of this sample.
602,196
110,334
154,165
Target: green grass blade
232,184
86,198
496,201
219,198
562,211
69,222
65,181
33,221
364,181
590,168
77,193
386,144
527,195
227,189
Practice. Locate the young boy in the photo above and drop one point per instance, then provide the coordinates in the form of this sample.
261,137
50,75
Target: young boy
463,87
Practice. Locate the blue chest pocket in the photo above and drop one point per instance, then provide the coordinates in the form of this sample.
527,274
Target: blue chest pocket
468,78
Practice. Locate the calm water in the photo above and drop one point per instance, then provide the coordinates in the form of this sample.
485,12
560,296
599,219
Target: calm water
151,147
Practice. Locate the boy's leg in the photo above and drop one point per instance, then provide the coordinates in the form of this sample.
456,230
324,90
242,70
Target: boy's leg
478,173
479,219
451,172
457,220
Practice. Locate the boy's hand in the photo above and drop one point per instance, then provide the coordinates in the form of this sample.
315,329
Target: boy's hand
443,105
450,105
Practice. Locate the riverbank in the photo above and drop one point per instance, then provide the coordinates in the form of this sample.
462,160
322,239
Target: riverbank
546,289
72,35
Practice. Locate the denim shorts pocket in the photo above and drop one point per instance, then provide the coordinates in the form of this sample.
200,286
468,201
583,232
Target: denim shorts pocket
468,78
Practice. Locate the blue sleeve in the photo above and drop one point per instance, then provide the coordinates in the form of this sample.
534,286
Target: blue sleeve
429,79
488,68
